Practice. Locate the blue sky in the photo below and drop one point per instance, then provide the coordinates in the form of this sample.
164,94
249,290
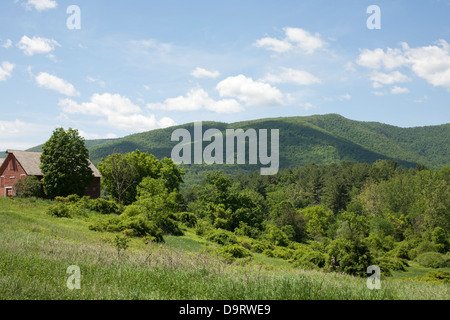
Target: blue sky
134,66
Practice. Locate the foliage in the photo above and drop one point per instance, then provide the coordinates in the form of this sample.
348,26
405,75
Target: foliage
222,237
122,173
233,251
59,210
433,260
65,165
188,218
28,187
437,277
354,257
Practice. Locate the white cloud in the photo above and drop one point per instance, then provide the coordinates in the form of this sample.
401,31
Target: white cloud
345,97
6,68
376,59
299,77
116,111
94,136
101,83
273,44
197,99
252,93
203,73
295,37
304,39
399,90
37,45
21,135
52,82
431,63
41,5
7,44
380,78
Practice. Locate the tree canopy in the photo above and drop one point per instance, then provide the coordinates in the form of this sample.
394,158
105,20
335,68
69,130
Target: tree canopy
65,164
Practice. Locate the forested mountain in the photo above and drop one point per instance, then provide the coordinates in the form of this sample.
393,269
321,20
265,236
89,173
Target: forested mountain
321,139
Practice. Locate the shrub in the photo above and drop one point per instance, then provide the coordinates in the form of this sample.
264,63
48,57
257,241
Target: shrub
188,218
222,237
167,224
134,226
423,247
59,210
354,256
437,276
234,251
28,187
131,211
277,236
311,260
261,246
388,264
103,206
432,260
202,227
283,253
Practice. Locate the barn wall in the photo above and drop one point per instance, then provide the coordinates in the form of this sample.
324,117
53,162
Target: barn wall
11,172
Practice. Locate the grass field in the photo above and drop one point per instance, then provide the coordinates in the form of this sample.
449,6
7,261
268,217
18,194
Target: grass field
36,249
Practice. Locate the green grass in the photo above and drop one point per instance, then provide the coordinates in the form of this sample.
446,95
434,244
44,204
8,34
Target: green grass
414,270
36,250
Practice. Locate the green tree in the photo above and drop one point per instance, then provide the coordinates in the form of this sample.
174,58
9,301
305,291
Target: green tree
28,187
318,221
122,173
65,164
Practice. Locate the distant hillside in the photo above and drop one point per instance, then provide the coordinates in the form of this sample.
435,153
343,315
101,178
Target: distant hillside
321,139
88,143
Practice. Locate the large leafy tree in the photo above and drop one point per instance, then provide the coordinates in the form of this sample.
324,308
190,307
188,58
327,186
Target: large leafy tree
65,164
122,173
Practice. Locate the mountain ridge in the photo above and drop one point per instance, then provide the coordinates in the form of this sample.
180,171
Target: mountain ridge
321,139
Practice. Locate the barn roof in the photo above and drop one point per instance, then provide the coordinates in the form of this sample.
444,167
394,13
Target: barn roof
31,162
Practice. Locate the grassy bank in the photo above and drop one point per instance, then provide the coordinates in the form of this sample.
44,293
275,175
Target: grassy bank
36,250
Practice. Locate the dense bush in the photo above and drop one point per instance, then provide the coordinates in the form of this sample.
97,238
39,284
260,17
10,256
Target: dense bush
354,257
188,218
437,277
310,259
59,210
28,187
222,237
423,247
234,251
131,225
433,260
276,236
388,264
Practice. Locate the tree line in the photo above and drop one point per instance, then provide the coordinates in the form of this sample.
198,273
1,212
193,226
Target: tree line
343,216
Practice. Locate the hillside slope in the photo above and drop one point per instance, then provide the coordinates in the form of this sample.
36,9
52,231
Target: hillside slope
321,139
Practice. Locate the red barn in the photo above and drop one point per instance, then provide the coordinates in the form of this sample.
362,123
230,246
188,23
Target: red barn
20,164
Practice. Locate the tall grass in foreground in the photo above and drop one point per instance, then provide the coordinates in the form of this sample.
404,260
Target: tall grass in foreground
36,250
